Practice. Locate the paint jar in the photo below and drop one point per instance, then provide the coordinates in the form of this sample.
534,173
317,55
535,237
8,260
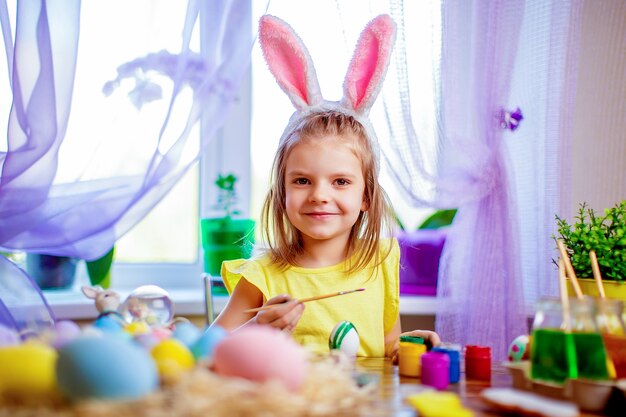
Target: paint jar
436,370
410,351
553,354
454,353
591,358
478,362
613,331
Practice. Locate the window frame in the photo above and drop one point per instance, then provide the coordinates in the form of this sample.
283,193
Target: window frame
221,154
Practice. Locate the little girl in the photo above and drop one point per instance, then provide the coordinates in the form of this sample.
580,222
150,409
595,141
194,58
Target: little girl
323,215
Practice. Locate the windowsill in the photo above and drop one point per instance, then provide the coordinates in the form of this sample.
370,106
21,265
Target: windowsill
73,305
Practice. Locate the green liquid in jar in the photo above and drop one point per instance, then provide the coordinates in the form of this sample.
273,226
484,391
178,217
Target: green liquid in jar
553,355
590,356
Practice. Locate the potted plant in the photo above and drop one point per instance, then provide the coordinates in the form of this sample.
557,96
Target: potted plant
225,237
603,233
420,251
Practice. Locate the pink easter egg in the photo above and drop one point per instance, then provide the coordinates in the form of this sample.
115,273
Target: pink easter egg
261,353
65,331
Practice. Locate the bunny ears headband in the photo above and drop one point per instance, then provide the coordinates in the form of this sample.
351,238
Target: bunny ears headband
290,63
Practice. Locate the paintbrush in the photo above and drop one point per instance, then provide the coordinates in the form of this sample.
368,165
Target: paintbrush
304,300
569,269
596,272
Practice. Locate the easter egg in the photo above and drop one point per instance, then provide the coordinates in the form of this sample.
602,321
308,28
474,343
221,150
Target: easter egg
108,367
27,369
345,338
108,324
172,359
203,347
161,333
519,349
64,331
137,327
146,340
261,353
8,336
187,333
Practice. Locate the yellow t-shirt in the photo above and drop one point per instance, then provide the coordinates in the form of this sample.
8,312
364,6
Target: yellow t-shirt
373,311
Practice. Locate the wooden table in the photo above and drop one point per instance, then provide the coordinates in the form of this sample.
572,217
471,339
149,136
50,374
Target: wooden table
393,388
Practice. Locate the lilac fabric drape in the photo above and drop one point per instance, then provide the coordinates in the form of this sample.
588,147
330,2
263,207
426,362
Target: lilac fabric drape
40,212
495,55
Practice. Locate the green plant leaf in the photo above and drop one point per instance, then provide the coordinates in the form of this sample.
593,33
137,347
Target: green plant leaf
99,270
604,233
439,219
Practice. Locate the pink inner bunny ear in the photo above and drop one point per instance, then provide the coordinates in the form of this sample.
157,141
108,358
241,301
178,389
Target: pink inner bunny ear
289,61
369,64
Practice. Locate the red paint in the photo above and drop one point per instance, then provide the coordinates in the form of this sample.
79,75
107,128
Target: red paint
478,362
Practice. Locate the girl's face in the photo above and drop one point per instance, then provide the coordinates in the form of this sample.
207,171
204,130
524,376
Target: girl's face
324,189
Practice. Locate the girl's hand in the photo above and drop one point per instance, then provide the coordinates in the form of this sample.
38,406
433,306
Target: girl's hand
285,316
431,339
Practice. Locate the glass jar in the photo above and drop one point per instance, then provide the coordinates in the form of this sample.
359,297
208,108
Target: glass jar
553,353
591,358
613,331
410,353
478,362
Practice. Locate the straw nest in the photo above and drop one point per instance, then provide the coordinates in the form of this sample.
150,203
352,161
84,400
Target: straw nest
329,390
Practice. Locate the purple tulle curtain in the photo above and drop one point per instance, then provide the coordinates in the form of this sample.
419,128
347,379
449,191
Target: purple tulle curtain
41,211
499,165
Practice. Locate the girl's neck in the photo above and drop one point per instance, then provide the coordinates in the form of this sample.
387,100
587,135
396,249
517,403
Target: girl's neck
322,253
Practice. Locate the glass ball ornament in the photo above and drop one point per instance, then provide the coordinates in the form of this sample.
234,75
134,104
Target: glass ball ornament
149,304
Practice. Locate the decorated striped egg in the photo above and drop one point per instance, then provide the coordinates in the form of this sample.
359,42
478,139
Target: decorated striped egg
345,338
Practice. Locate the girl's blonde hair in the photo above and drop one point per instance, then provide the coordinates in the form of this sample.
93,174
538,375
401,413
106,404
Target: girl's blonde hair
283,239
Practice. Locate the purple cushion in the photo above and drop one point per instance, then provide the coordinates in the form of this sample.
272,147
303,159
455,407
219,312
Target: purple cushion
419,260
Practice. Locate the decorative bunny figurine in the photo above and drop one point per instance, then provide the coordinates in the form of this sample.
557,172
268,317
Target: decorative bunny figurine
107,301
290,63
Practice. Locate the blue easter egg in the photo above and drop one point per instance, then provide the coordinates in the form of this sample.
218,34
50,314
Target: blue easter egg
204,346
186,333
108,324
108,367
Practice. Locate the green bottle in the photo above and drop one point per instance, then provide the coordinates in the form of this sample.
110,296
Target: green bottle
553,351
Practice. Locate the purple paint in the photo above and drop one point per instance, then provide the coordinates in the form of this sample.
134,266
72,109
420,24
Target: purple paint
436,370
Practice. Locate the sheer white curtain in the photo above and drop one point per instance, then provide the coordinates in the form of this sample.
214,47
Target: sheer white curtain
117,177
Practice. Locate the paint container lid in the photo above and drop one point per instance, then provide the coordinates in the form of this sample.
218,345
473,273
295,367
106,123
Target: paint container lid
475,351
452,353
412,339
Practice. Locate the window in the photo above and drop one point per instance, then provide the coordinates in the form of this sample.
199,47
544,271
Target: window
164,248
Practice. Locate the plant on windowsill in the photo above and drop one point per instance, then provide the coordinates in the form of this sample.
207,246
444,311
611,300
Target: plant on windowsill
606,235
420,251
59,272
225,237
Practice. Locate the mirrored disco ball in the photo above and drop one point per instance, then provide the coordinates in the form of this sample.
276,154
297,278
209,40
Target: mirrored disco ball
149,304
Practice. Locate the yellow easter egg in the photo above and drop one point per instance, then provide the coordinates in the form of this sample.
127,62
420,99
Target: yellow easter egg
172,358
137,327
28,369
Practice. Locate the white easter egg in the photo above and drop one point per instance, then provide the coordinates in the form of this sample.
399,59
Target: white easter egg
345,338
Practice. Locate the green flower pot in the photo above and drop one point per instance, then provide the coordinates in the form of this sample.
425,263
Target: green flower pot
224,239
